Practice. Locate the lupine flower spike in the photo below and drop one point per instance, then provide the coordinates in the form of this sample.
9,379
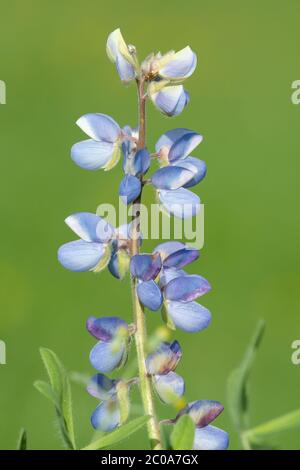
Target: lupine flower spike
159,280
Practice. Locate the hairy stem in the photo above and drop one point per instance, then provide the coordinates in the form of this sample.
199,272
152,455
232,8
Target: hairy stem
139,315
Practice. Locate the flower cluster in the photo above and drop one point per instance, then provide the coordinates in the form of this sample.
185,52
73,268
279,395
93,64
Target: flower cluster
158,278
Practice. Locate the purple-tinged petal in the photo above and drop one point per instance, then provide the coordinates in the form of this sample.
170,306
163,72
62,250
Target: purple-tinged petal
210,438
80,256
169,387
181,258
150,295
189,316
171,100
187,288
102,387
184,146
90,227
180,65
167,274
202,412
105,357
145,267
106,416
105,328
164,359
100,127
196,166
92,155
171,177
181,202
125,69
170,137
167,248
129,189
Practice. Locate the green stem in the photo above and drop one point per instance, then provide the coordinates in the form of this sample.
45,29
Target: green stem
139,315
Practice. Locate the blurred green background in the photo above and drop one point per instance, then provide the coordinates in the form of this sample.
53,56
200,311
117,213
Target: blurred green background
54,64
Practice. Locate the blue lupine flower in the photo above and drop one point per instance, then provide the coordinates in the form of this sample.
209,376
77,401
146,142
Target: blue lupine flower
102,150
150,294
172,66
177,144
161,365
146,267
170,100
107,415
207,437
171,177
112,349
130,189
120,54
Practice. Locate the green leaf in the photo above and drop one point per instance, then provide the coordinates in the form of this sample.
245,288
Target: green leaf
237,382
45,389
22,441
119,434
283,423
182,437
59,393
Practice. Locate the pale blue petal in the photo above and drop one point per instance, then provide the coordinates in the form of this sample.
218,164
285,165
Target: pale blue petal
181,66
106,416
171,177
80,255
92,155
210,438
181,202
164,359
124,68
170,137
198,167
171,100
90,227
100,127
167,274
141,162
184,146
187,288
105,357
102,387
105,328
129,189
150,295
169,387
190,316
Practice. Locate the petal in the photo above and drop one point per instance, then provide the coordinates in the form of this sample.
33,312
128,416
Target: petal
116,45
129,189
169,387
105,357
171,177
210,438
167,248
150,295
184,146
80,256
198,167
181,202
164,359
202,412
145,267
119,264
92,155
187,288
90,227
105,328
180,66
190,316
170,137
100,127
141,162
125,69
106,416
102,387
171,100
181,258
167,274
